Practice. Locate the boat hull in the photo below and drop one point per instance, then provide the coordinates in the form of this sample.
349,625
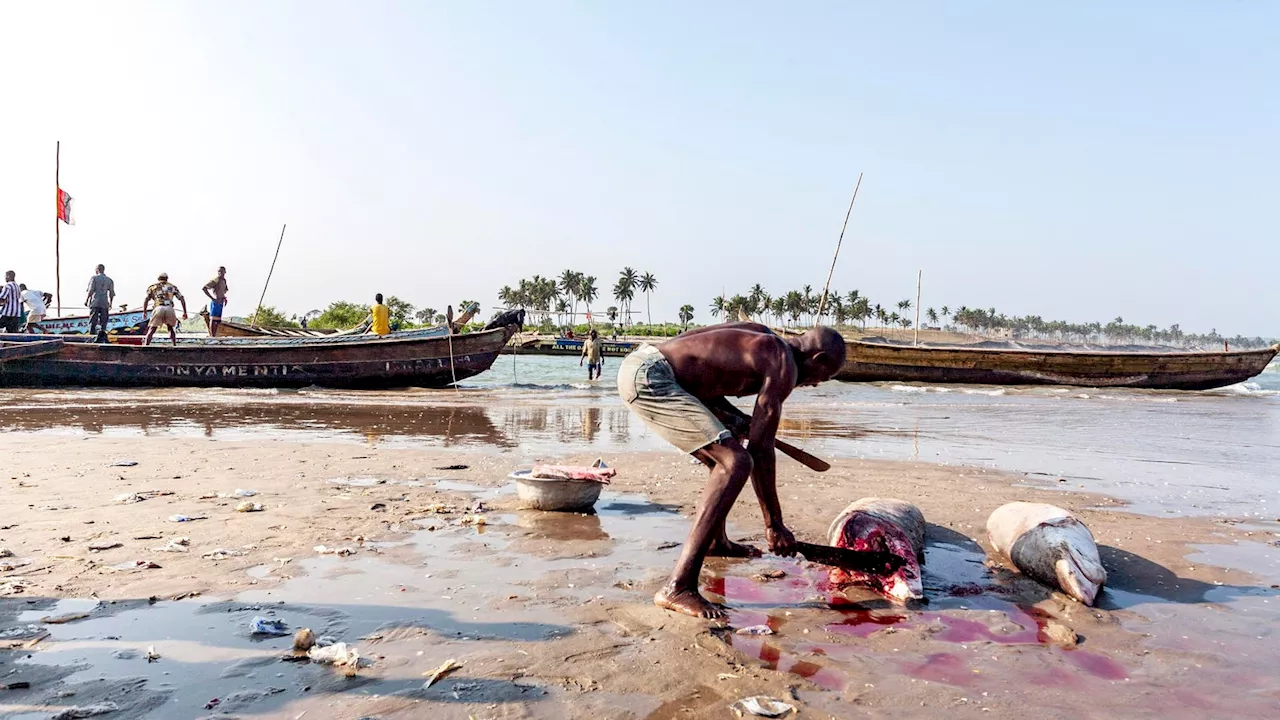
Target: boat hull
124,323
362,362
876,362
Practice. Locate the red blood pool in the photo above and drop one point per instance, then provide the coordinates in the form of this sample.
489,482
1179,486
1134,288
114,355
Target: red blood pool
940,667
800,585
862,623
962,630
775,658
1096,665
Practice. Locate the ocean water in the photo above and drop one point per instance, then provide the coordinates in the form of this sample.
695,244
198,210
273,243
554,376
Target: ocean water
1167,452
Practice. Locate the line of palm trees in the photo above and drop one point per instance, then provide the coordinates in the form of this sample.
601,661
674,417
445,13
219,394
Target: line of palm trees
801,307
560,296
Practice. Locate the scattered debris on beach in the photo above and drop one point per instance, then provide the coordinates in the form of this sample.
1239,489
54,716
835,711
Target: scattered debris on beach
445,668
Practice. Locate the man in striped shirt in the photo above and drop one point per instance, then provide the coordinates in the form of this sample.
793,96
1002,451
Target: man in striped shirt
10,305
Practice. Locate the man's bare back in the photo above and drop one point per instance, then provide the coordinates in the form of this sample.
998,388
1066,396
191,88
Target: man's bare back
681,391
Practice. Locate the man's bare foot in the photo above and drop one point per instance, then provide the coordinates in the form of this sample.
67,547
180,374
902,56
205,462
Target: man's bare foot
724,547
688,602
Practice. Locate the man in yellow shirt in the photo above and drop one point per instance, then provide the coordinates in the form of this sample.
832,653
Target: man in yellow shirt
381,316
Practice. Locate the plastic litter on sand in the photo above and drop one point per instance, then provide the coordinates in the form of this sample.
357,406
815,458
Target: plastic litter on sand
762,706
268,626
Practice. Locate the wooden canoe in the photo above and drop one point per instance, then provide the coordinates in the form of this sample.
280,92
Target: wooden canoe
124,323
872,362
406,359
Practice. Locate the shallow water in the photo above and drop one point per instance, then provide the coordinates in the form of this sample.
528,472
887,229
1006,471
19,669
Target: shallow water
1212,452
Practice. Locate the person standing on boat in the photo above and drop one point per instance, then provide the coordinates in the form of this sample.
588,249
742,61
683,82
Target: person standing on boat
37,305
593,355
162,294
380,317
10,304
101,293
216,291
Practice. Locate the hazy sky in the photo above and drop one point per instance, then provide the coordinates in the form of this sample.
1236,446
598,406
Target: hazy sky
1076,162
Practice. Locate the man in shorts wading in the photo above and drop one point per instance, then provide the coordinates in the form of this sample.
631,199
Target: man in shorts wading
681,389
101,293
593,355
161,295
216,291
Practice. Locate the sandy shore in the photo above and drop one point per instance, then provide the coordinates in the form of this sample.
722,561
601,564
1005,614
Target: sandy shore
550,614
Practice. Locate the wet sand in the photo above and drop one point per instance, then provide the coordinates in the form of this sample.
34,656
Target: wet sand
550,614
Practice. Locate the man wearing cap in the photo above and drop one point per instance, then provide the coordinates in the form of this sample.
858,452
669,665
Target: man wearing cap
162,294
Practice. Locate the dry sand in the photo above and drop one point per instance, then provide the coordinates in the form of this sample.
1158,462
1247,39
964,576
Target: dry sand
550,614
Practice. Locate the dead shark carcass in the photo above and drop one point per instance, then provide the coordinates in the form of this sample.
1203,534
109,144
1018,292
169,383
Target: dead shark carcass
1049,545
882,525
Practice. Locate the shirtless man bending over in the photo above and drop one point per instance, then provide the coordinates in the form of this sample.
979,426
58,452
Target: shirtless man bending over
680,390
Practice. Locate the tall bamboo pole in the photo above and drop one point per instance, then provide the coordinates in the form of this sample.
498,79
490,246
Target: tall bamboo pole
822,304
919,275
269,272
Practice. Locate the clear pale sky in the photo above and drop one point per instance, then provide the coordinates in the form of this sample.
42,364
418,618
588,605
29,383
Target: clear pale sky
1077,161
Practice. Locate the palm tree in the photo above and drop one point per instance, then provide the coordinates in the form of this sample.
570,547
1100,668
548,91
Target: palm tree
933,315
627,281
647,283
904,305
686,314
717,306
426,315
569,285
587,290
623,292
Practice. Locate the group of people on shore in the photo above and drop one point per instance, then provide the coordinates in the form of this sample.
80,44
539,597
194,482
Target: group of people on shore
22,309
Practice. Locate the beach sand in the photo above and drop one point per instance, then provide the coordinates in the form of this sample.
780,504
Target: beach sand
550,613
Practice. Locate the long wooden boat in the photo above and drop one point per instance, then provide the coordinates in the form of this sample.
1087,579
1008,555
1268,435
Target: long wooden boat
231,328
124,323
406,359
571,347
871,362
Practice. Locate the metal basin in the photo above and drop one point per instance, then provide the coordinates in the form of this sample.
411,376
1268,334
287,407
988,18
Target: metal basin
544,494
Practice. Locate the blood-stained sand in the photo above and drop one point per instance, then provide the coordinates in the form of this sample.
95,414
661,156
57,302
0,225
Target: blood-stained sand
550,614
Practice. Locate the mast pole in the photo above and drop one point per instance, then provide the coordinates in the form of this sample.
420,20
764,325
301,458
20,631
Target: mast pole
919,275
822,304
269,272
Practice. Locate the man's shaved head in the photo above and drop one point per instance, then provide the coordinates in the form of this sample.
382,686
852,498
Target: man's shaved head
822,354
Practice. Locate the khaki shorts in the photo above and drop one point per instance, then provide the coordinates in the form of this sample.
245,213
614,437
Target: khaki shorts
163,315
648,386
33,318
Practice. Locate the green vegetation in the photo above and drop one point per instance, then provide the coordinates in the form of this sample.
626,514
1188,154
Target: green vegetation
548,298
800,308
268,316
340,315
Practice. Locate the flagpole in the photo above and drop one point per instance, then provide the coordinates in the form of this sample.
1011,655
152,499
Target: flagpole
57,231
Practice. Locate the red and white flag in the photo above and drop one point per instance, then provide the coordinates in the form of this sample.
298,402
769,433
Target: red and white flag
64,207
